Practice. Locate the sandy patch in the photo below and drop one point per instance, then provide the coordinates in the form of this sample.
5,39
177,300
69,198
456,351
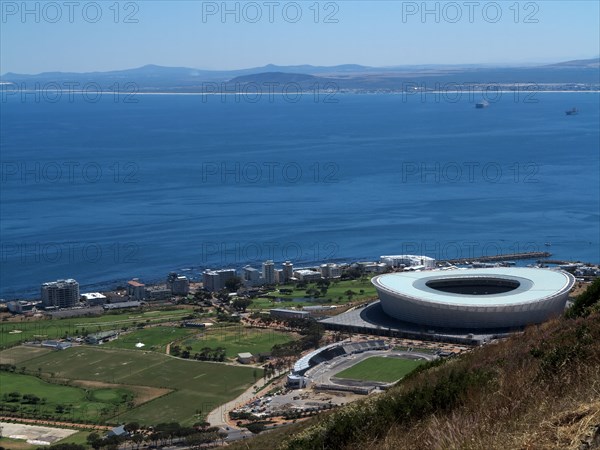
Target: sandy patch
34,434
143,394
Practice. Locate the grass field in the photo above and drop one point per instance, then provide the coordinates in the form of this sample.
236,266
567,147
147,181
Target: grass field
334,292
16,444
198,386
17,355
73,403
154,338
380,369
12,333
237,339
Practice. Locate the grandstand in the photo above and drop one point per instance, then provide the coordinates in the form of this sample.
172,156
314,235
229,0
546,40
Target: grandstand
328,353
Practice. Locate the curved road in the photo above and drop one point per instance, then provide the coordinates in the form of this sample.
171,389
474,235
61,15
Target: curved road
219,417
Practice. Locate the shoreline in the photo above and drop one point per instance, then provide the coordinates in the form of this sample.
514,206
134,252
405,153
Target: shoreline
150,280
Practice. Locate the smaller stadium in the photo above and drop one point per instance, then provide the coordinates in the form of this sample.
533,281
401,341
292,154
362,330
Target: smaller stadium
341,366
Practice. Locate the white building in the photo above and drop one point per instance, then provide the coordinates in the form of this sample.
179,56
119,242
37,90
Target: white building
178,284
372,267
214,280
94,298
60,294
22,306
245,358
251,276
268,272
307,275
331,270
408,261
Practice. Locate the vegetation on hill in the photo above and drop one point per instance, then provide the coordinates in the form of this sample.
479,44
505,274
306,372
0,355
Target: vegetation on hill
536,390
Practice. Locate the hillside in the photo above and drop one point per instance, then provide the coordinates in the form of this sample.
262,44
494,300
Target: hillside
537,390
153,78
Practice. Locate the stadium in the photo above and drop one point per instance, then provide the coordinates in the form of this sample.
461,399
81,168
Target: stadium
491,298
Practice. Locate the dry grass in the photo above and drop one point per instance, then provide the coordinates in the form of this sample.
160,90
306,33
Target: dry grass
527,406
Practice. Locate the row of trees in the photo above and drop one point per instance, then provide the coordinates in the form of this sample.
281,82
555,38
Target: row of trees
205,354
162,434
312,333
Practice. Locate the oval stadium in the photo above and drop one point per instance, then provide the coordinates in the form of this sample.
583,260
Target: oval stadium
487,298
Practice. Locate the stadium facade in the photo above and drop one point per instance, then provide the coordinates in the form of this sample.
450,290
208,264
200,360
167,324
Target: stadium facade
474,298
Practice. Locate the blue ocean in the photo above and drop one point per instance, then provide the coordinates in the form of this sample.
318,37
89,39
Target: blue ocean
121,187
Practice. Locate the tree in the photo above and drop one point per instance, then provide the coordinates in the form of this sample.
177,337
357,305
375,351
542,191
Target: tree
93,439
137,439
240,304
223,295
584,304
256,427
132,427
233,284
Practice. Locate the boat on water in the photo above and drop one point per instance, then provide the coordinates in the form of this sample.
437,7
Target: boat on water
572,112
482,104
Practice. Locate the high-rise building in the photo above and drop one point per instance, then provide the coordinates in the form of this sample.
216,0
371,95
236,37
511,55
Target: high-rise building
268,272
214,280
288,272
60,294
331,270
251,276
136,290
178,284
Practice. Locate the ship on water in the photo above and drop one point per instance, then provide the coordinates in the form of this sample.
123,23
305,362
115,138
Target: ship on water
572,112
482,104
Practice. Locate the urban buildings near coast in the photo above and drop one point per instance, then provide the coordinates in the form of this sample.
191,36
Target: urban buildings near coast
64,294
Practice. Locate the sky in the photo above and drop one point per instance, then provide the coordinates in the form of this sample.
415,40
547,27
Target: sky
83,36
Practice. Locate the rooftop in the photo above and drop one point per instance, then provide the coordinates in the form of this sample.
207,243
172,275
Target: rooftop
527,285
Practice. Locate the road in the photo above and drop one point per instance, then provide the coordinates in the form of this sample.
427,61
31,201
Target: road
219,417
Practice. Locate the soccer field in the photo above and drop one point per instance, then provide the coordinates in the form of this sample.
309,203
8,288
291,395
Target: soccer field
237,339
154,338
198,386
11,333
380,369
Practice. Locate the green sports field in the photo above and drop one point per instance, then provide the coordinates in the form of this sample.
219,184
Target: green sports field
380,369
237,339
12,333
59,402
153,338
332,297
198,387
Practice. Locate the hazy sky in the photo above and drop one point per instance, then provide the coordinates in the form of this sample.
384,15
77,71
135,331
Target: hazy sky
105,35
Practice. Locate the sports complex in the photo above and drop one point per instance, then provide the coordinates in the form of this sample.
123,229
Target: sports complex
333,367
466,306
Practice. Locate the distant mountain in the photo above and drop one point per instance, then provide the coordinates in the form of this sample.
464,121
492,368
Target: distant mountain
593,63
275,77
153,78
